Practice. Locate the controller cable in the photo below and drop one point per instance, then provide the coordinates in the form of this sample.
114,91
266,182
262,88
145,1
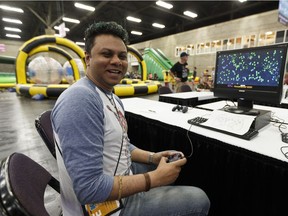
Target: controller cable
190,141
282,126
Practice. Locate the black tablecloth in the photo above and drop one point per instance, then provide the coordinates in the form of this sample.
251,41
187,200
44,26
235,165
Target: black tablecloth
238,182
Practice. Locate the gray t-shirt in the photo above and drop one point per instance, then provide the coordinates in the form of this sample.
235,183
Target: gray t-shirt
90,128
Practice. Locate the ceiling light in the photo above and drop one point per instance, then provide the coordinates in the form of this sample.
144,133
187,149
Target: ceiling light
12,29
66,29
164,4
157,25
80,43
136,33
12,20
5,7
13,36
66,19
242,1
190,14
133,19
85,7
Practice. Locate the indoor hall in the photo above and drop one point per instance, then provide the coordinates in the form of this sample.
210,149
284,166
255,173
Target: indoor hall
221,164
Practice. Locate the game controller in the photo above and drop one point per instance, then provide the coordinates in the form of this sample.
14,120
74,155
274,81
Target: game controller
184,109
174,157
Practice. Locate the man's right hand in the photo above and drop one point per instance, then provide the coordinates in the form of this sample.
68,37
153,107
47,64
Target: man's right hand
166,173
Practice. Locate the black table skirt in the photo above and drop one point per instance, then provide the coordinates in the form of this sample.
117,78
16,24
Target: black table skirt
237,181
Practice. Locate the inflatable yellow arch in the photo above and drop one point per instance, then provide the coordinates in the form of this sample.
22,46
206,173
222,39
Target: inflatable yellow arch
38,44
51,48
129,87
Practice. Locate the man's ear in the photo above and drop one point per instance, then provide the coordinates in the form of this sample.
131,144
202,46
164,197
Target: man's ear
87,59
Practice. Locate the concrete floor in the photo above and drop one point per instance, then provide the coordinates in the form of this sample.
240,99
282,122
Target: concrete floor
18,134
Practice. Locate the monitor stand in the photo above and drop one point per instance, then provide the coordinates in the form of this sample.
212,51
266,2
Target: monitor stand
242,110
244,107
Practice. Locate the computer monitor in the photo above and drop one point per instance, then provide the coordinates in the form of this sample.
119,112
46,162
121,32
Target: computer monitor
250,74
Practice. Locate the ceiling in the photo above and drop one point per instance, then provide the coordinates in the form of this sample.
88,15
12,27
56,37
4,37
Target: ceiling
39,15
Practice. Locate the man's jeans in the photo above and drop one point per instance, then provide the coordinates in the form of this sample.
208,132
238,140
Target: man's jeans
166,200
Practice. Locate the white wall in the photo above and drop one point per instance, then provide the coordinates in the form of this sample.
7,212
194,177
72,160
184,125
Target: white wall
254,24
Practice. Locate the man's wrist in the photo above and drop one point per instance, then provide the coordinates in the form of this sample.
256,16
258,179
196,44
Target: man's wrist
150,158
147,181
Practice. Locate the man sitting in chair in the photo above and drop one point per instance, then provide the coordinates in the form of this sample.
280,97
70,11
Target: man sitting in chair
94,153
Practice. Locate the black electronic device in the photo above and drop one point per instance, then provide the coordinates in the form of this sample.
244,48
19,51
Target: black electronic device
251,133
250,74
174,157
184,109
284,137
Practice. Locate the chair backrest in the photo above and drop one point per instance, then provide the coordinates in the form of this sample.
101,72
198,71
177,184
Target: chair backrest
185,88
164,90
44,128
23,184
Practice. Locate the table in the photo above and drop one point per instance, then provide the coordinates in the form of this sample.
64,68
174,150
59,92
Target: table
188,98
241,178
197,98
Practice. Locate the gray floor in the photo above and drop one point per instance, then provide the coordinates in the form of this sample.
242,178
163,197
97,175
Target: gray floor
18,134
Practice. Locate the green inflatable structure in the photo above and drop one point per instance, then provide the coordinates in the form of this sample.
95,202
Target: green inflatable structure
156,62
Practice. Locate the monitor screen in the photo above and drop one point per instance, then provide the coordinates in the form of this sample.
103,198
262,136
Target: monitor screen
251,74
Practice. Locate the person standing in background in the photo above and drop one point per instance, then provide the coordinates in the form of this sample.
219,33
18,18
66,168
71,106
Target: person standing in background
286,78
180,71
194,73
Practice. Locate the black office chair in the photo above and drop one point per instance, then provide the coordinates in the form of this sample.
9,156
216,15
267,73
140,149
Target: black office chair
164,90
22,186
44,128
185,88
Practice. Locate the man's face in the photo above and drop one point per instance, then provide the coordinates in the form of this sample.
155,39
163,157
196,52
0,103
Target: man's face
184,58
107,63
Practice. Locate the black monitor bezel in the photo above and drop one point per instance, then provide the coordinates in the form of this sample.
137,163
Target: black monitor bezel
272,95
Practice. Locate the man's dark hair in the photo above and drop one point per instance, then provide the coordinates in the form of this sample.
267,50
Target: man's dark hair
98,28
